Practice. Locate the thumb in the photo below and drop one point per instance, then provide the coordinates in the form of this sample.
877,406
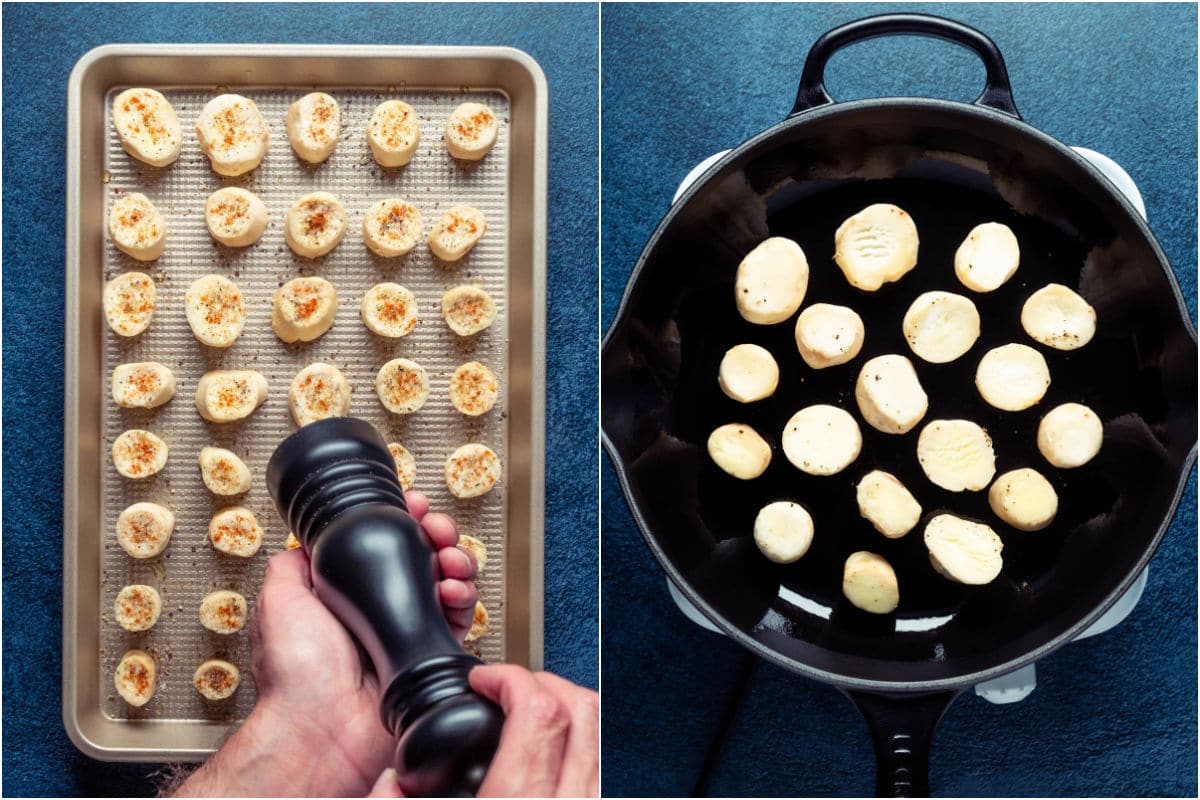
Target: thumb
387,785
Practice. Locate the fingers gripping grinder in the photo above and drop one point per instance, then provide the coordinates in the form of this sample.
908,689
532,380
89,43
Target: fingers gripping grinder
335,484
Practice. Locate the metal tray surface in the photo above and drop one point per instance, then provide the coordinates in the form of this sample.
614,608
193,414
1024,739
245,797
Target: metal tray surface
179,723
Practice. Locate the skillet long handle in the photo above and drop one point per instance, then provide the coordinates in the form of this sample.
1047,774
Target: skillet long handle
902,731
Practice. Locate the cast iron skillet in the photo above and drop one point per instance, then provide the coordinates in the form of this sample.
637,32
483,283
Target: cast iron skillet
951,166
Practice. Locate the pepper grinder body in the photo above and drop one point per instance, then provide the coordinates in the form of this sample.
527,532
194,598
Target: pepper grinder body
335,484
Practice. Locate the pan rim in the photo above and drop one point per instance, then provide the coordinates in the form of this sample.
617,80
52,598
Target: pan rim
622,317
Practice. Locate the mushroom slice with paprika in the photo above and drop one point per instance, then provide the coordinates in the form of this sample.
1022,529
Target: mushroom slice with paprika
473,389
468,310
389,310
146,384
223,611
136,227
129,301
233,134
223,472
315,224
459,229
137,607
304,309
136,677
235,217
144,529
319,391
472,470
230,395
235,531
216,679
147,126
402,386
392,227
471,131
216,310
314,123
139,454
393,133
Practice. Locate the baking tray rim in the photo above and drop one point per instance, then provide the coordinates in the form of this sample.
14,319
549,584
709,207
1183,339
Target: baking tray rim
96,746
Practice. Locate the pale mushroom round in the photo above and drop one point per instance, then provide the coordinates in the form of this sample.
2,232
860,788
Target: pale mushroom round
303,309
877,245
314,123
129,301
956,454
1070,435
235,217
771,281
472,470
235,531
137,607
988,257
402,386
887,504
147,126
389,310
739,450
468,310
889,394
783,531
1059,318
828,335
748,373
139,454
471,131
233,134
870,584
1012,377
136,227
821,440
1024,499
144,529
941,326
963,551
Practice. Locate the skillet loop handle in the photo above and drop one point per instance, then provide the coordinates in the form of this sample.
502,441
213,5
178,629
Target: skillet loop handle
902,731
997,91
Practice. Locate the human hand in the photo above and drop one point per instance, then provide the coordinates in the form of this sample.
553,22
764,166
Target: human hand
317,708
550,743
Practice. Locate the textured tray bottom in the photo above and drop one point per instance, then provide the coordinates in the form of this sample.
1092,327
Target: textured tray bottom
190,568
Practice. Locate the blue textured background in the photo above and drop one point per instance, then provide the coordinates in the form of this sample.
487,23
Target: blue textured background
41,44
1113,715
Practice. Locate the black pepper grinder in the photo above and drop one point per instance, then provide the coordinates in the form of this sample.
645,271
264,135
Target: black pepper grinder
335,484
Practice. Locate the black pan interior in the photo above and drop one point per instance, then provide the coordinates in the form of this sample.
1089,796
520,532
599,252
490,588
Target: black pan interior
951,168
